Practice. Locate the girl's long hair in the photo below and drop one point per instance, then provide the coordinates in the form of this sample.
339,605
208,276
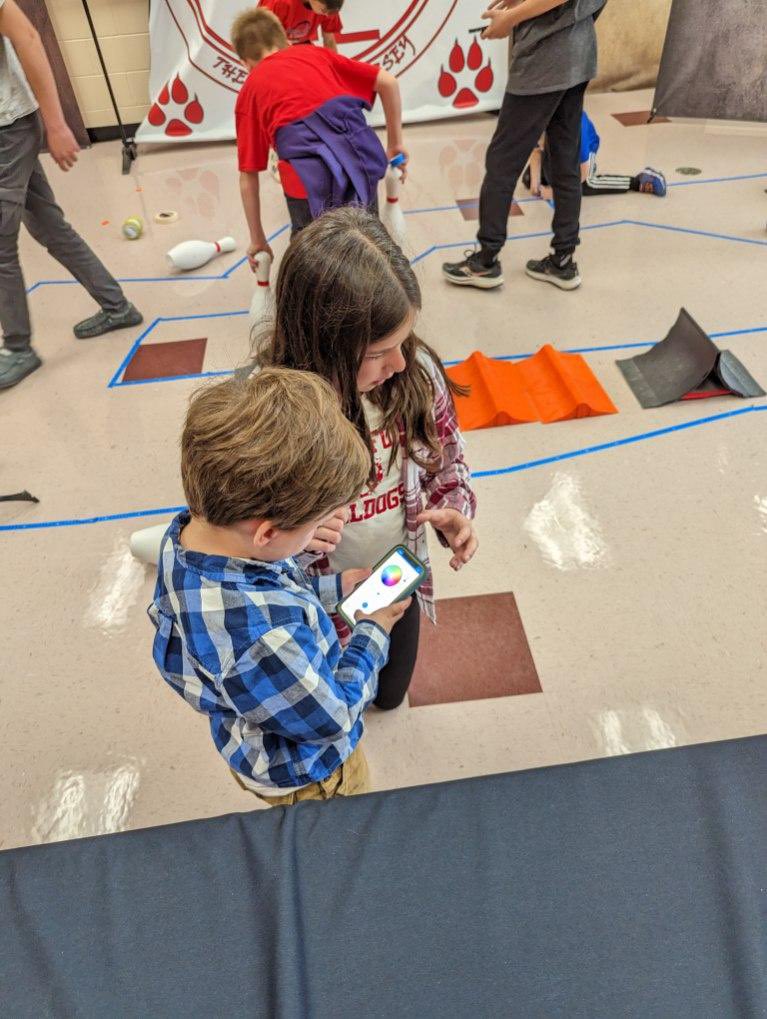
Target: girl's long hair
343,284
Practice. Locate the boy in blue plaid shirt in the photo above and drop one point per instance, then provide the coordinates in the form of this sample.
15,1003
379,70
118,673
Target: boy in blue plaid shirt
242,633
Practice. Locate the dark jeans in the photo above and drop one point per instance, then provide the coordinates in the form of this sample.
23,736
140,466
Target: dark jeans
521,122
301,214
26,197
395,676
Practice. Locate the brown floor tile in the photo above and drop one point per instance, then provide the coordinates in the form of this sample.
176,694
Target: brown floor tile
635,118
469,208
165,360
477,650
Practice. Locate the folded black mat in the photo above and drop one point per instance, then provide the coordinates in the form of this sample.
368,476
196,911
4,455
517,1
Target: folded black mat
634,886
684,365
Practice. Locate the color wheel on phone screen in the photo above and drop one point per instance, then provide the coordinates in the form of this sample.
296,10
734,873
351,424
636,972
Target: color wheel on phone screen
391,576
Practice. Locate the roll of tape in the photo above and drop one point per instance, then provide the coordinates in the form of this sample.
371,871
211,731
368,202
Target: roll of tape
166,217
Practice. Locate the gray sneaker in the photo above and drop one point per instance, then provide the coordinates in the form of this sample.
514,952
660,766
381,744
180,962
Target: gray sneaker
15,365
105,321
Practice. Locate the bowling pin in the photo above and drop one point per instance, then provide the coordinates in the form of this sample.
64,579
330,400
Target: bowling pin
145,544
194,254
261,305
392,216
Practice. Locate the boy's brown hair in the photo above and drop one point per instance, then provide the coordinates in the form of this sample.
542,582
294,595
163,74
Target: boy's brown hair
333,6
273,446
256,32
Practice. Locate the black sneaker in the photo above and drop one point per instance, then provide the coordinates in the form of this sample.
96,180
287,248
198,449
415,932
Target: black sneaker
105,321
566,276
15,365
472,272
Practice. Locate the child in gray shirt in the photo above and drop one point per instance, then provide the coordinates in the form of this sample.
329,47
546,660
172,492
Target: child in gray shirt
553,58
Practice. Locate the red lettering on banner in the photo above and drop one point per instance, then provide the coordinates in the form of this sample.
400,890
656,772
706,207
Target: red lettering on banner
397,52
230,71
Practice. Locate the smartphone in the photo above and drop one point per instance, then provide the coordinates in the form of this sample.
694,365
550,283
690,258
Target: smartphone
394,578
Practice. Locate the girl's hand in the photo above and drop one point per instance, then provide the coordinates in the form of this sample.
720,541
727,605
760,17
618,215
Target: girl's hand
328,534
458,531
351,579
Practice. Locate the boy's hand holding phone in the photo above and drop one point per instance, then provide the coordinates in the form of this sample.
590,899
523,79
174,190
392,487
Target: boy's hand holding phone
388,617
350,579
383,593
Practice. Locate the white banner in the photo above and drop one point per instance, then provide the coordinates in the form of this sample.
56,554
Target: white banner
432,46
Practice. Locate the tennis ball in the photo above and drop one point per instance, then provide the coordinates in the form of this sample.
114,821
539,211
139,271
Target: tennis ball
133,228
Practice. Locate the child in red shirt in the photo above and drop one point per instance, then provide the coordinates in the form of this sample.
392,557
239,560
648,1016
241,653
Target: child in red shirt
335,158
302,19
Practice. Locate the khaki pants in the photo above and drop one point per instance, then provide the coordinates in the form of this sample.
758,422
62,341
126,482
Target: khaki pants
351,779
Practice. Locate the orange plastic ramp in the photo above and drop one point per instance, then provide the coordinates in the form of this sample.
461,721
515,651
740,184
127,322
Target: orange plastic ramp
563,387
497,394
547,387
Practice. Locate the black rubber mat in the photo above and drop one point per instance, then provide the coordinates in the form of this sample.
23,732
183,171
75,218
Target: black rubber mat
686,364
19,497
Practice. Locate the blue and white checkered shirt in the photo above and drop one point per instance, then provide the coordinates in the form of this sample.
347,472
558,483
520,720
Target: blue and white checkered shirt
251,645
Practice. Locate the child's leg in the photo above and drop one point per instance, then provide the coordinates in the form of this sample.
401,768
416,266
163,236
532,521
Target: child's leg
521,123
605,183
394,678
564,137
300,214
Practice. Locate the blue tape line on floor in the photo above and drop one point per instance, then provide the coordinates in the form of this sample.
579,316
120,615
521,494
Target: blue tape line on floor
180,278
172,378
633,345
513,469
408,212
601,226
628,345
615,443
82,521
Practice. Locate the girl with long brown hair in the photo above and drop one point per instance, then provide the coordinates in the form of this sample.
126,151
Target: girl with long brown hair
346,307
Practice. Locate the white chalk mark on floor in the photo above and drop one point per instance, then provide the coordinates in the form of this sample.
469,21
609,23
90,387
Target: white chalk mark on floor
114,594
87,803
562,527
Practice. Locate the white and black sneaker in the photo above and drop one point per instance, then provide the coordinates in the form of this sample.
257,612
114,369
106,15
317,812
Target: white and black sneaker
472,272
563,273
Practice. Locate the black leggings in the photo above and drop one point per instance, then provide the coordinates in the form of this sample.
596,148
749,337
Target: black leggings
395,676
521,122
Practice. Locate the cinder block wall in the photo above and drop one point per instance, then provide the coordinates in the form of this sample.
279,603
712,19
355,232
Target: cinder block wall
122,27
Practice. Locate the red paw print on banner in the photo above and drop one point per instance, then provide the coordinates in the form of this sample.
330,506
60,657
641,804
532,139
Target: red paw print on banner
190,110
459,62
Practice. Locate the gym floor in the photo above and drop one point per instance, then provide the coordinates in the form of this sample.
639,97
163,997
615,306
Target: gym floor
635,544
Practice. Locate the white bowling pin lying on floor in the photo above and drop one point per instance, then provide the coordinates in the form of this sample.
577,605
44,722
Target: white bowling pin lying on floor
392,216
261,305
145,544
194,254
